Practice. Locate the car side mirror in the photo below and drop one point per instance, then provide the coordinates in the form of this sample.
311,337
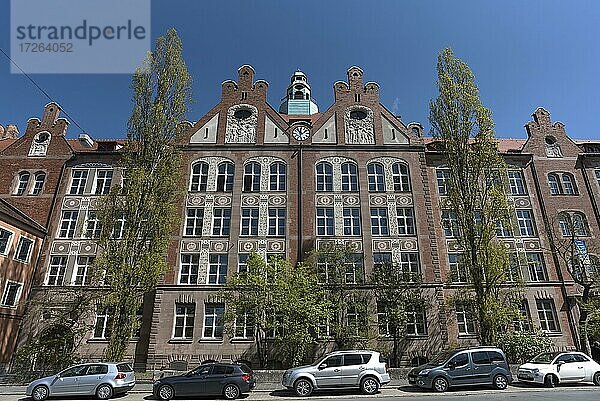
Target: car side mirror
322,366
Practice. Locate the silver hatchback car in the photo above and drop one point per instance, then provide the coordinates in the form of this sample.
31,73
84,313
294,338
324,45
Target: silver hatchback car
101,379
365,370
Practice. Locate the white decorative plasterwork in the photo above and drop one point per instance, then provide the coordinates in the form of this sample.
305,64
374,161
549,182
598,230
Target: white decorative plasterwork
71,203
522,202
195,200
213,163
276,246
263,215
359,132
265,169
338,215
241,130
355,244
388,162
207,221
39,145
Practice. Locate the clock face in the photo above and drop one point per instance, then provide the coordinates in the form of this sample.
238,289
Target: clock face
301,133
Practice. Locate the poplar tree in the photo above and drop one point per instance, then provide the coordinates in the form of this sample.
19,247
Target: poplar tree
138,219
476,192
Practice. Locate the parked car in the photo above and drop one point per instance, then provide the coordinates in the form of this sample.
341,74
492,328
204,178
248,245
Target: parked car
552,368
100,379
229,380
463,367
365,370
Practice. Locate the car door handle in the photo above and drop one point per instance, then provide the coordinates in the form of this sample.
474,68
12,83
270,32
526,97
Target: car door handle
467,368
361,368
475,368
579,367
336,370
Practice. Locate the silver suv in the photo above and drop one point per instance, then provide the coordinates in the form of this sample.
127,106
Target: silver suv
100,379
366,370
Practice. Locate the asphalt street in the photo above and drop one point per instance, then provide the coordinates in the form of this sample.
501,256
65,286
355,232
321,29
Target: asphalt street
571,393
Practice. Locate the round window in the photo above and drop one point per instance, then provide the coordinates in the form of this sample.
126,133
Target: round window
242,114
550,140
358,115
43,137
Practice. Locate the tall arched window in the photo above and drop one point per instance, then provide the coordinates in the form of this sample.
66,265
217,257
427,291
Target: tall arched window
225,177
38,183
401,177
251,177
568,184
554,184
579,224
376,177
199,178
324,177
22,183
349,177
564,223
277,176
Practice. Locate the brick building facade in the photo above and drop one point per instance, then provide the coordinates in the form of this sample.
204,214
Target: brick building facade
289,181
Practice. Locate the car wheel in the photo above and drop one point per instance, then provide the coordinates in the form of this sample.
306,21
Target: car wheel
369,385
104,392
500,382
597,379
303,387
231,392
40,393
165,392
550,381
440,384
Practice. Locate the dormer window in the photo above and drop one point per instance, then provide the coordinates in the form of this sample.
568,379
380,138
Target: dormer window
242,114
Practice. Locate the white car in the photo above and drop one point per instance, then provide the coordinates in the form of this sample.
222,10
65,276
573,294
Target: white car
552,368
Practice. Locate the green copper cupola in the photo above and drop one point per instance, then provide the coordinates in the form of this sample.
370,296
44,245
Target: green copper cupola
298,100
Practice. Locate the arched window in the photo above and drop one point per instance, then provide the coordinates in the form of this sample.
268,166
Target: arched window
199,179
349,177
401,178
568,184
277,177
38,183
564,223
22,183
299,95
251,177
225,177
376,177
554,184
579,224
324,177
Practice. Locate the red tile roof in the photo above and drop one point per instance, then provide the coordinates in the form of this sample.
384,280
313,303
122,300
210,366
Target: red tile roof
505,145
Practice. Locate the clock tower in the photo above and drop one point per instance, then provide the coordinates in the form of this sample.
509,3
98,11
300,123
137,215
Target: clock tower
298,100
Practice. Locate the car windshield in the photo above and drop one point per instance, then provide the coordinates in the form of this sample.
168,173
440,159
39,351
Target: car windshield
441,357
546,357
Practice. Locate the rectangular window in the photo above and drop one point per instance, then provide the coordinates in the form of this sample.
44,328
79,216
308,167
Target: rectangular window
382,258
242,326
56,270
356,320
514,267
78,182
103,181
23,252
536,267
406,220
459,272
213,320
354,269
443,177
185,314
101,330
5,239
221,221
217,269
464,319
12,294
409,264
523,321
597,172
547,315
82,270
352,221
379,221
515,180
503,229
243,262
190,265
249,221
325,221
450,224
277,222
193,222
68,223
119,227
92,225
526,224
383,323
416,323
322,271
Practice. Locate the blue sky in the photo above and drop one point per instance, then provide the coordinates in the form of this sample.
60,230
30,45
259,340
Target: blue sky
524,54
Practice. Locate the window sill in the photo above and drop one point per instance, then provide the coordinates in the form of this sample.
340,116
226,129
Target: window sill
553,333
180,341
97,340
242,340
13,307
211,340
467,336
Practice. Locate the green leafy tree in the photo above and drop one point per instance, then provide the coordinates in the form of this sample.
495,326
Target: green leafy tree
476,190
282,304
521,347
137,220
396,291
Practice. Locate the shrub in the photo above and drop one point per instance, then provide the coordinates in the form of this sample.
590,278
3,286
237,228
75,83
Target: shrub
521,347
